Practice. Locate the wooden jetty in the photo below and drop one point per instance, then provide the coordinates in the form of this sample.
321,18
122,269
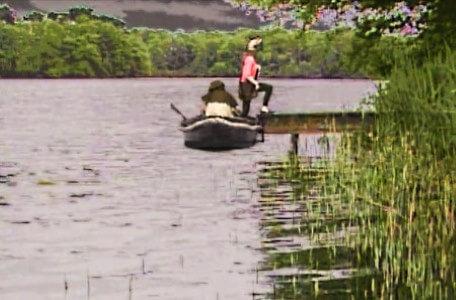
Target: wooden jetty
317,122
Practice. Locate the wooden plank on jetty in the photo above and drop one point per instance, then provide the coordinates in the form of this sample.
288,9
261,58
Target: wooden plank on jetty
315,122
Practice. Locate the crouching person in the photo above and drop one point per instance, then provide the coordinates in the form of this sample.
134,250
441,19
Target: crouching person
218,102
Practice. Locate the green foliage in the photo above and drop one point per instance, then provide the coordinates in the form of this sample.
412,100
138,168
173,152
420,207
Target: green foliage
87,48
34,16
285,53
390,190
75,14
441,21
378,57
409,172
7,15
78,11
420,105
58,16
397,181
115,21
442,26
12,39
92,46
179,54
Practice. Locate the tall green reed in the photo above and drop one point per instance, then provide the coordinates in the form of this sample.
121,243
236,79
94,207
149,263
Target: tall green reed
398,182
391,188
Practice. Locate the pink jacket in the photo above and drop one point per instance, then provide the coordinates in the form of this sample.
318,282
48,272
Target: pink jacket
249,67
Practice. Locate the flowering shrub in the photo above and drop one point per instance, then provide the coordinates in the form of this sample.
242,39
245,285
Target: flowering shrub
399,20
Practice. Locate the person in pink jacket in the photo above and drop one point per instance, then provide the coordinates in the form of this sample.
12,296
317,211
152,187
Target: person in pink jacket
248,81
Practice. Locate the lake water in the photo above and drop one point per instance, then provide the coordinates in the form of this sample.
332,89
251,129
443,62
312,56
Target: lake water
99,195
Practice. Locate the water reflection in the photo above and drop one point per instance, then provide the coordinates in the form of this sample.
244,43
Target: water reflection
304,233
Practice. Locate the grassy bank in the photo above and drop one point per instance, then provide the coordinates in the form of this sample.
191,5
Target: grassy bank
396,184
404,181
88,47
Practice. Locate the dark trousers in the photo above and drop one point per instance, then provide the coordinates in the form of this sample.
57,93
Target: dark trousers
264,87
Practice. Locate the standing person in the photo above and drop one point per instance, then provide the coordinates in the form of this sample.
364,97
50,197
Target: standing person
248,82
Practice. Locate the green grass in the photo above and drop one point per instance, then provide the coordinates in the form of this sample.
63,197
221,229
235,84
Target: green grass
401,179
394,183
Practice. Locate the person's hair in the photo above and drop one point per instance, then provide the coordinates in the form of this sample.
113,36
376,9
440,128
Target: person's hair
251,38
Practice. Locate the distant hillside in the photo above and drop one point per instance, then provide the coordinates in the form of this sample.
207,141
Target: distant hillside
169,14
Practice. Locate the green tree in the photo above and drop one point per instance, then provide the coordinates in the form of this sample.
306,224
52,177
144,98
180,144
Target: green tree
11,41
34,16
158,41
92,47
78,11
7,14
205,46
441,22
41,52
180,53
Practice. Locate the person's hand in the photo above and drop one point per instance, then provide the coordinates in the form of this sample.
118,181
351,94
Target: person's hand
236,112
259,67
257,86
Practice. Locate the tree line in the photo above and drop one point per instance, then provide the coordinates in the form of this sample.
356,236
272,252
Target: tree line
81,44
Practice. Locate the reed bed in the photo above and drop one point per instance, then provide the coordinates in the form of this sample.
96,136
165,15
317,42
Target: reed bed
402,178
391,191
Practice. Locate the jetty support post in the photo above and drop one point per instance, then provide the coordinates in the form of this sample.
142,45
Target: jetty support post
294,142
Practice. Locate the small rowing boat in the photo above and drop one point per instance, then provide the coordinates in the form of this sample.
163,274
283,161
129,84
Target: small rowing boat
219,133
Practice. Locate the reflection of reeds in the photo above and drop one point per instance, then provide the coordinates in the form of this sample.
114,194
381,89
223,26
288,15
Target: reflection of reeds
65,286
391,191
88,286
313,264
130,287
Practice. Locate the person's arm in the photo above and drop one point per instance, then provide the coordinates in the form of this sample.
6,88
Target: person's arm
233,105
231,100
254,82
258,70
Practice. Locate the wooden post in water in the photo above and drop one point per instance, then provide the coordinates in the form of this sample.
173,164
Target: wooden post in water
294,142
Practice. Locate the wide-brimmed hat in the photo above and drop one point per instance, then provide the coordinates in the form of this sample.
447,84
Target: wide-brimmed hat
216,84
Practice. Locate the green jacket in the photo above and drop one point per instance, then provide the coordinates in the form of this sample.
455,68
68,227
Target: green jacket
217,93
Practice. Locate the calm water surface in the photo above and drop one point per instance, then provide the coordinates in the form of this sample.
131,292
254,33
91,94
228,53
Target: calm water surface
98,191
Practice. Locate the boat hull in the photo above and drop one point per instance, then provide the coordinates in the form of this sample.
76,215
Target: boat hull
220,134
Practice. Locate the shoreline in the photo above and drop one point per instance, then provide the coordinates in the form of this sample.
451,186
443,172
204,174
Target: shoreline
188,77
